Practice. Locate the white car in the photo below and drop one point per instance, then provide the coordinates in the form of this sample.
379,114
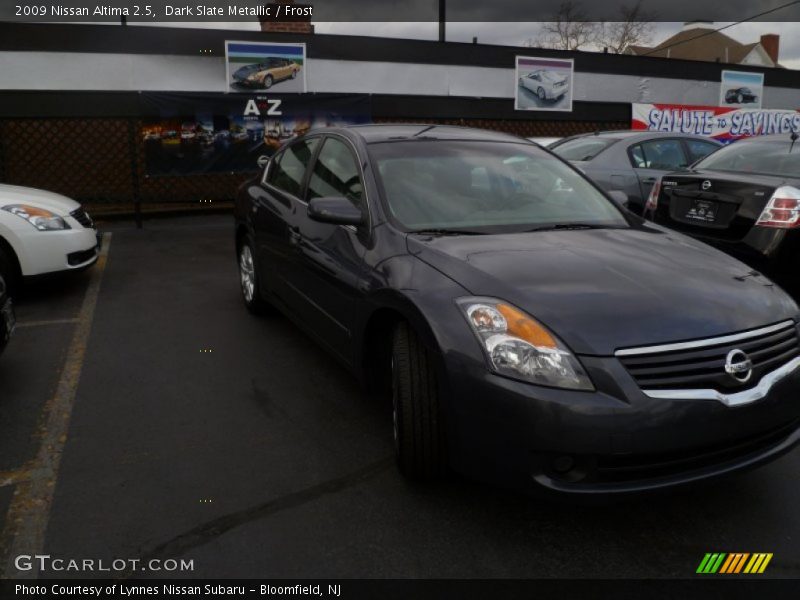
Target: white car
41,233
547,85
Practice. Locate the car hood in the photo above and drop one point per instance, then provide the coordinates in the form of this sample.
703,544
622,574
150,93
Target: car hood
56,203
247,71
602,290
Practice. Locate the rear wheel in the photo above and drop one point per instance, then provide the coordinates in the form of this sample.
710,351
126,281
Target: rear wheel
541,94
294,73
248,278
416,418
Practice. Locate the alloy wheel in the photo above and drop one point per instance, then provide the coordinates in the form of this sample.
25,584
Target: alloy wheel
247,273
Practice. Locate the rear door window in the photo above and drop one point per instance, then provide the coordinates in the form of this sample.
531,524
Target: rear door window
664,155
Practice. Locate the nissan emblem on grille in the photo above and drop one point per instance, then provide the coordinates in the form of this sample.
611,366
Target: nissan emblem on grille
706,184
738,366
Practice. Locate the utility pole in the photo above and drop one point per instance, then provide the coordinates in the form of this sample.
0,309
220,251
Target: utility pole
442,20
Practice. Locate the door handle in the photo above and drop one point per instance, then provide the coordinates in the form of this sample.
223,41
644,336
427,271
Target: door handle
294,235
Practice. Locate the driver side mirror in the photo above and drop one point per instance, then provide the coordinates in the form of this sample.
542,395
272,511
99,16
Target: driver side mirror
335,210
621,197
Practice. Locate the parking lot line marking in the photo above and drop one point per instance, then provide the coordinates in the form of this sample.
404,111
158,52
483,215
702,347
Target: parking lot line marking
29,512
45,323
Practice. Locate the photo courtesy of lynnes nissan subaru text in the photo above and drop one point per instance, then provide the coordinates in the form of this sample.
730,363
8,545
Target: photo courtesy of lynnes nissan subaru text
528,329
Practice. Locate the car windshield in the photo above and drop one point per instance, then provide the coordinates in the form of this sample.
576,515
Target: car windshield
584,148
766,157
486,187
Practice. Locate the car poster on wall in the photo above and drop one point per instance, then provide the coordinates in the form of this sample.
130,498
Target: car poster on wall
740,89
227,133
720,122
262,66
544,83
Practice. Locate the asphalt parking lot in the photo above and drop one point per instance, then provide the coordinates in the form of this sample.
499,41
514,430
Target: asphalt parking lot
145,414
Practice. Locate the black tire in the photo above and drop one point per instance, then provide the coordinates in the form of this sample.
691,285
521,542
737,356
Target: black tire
294,73
9,272
739,99
417,420
249,280
268,81
540,93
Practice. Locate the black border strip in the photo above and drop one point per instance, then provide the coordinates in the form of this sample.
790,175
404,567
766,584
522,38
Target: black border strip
77,104
197,42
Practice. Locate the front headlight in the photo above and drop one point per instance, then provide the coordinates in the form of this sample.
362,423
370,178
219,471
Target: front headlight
40,218
518,346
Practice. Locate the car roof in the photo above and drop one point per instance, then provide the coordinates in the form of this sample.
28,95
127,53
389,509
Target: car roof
775,137
388,132
634,135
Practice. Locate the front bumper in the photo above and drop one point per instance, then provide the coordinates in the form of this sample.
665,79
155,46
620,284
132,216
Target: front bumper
44,252
557,92
614,440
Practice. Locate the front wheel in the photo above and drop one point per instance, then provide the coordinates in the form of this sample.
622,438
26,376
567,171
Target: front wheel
248,277
294,73
268,82
416,417
739,99
541,94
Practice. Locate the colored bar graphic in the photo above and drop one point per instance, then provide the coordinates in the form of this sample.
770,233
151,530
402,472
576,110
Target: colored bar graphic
733,563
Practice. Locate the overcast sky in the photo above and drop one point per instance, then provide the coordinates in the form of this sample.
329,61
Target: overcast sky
516,34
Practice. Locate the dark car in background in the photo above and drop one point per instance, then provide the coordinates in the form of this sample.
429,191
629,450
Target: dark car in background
743,199
632,161
524,327
742,95
7,321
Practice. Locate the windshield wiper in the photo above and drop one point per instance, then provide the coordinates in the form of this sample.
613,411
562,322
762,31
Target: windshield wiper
436,231
556,226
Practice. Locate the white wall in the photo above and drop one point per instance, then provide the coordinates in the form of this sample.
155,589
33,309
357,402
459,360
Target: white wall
148,72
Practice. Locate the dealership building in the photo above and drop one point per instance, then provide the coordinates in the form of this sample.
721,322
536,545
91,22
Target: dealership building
75,99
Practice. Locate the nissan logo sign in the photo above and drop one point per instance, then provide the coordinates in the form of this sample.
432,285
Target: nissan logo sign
738,366
706,184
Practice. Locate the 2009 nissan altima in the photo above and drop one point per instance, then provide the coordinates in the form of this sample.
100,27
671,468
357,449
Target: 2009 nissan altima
527,328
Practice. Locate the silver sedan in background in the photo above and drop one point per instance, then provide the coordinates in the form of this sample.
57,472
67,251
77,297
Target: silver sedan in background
632,161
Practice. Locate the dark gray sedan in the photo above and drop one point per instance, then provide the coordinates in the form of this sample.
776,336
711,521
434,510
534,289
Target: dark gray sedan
632,161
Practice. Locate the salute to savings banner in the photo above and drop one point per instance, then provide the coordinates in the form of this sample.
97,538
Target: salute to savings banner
225,133
721,123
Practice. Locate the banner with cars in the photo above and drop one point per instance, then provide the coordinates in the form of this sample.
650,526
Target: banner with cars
226,133
719,122
261,66
543,84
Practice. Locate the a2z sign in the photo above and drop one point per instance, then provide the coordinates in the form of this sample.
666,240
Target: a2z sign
263,107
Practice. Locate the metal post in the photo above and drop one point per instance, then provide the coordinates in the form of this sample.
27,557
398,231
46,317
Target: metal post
442,20
132,150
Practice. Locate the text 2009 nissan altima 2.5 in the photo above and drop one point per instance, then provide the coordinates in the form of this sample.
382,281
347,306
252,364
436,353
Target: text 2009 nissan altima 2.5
529,330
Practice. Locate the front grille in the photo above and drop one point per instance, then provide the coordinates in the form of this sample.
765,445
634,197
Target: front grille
77,258
82,217
702,366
